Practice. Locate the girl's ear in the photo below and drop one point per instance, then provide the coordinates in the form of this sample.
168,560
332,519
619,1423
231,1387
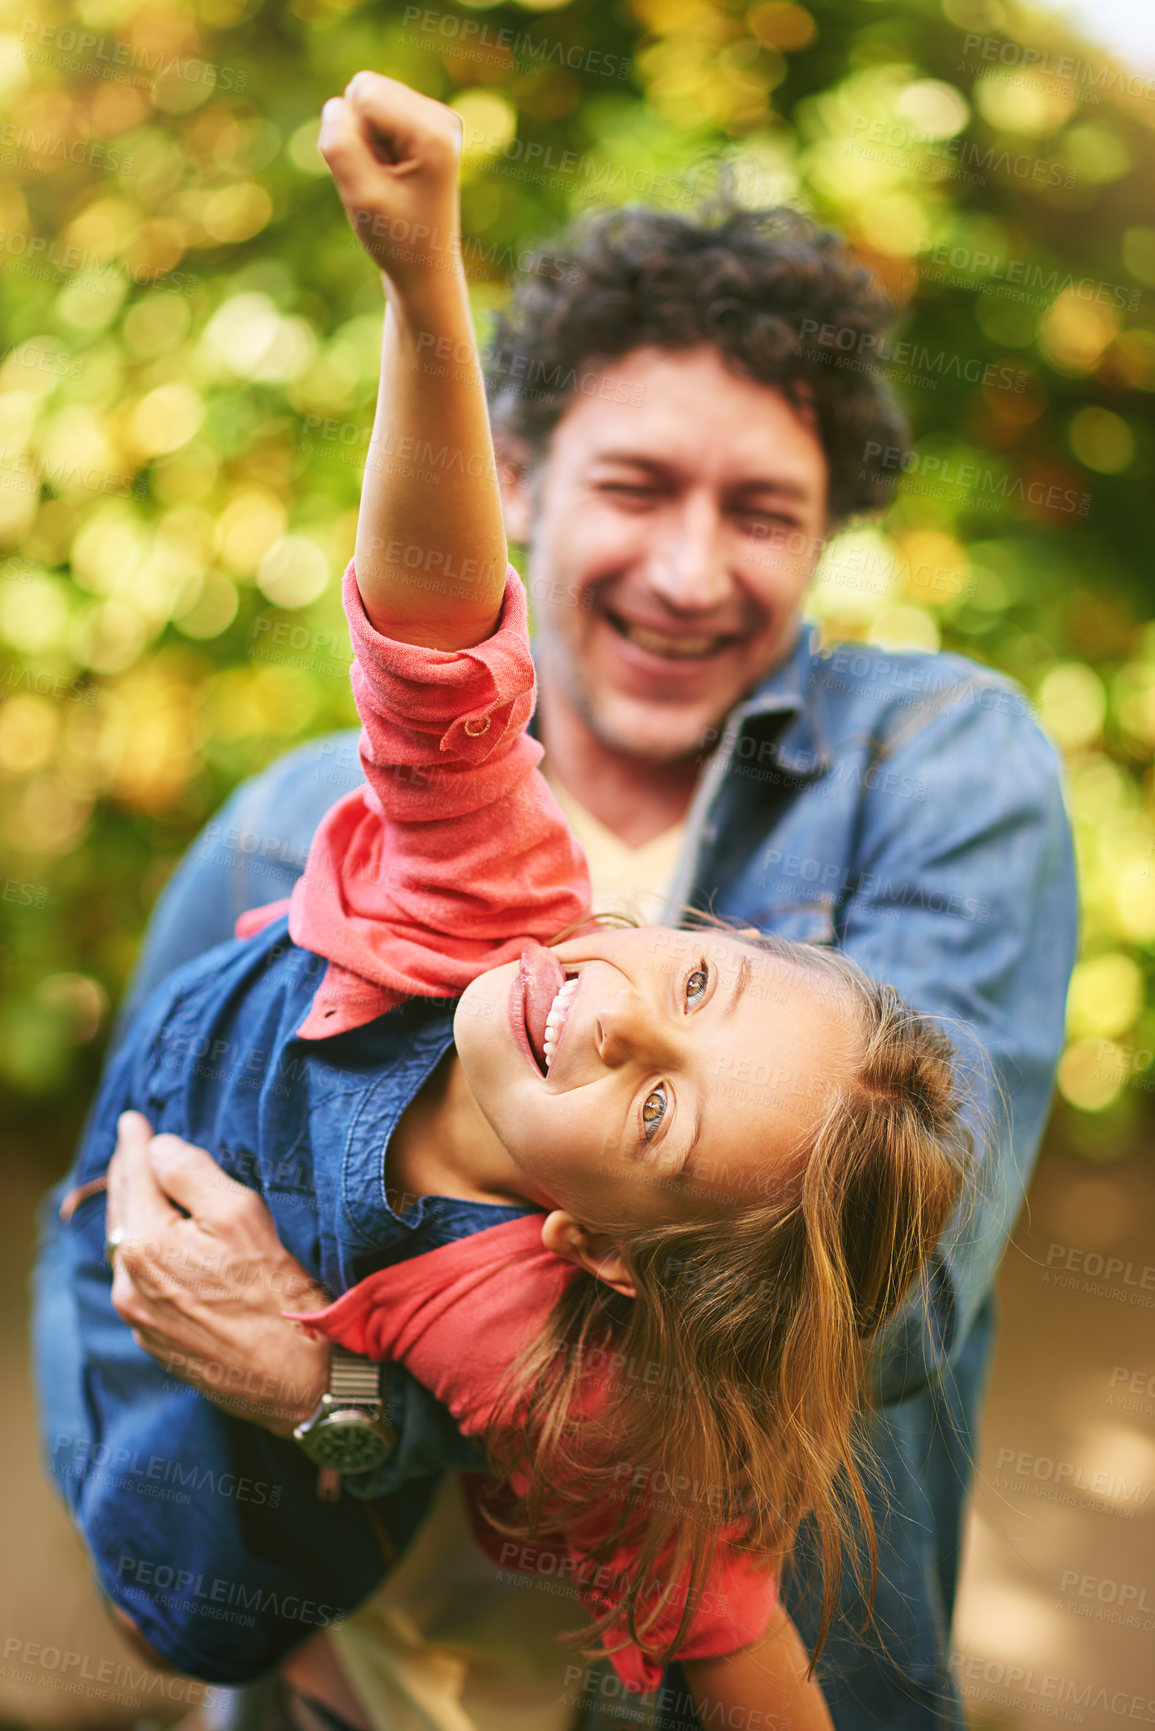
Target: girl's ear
593,1251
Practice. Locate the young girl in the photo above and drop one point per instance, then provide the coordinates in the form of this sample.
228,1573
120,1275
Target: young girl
662,1185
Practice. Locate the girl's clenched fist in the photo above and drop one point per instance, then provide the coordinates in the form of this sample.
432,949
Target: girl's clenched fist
394,156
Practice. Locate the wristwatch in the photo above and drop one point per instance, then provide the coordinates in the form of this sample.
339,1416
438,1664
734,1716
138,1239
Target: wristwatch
349,1432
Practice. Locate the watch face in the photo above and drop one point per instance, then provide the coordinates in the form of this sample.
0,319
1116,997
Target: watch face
348,1441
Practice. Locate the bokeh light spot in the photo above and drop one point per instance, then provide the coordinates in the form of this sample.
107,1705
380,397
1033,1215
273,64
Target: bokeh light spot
166,419
935,108
76,1002
156,323
92,299
905,627
212,611
251,522
1139,253
302,151
1102,440
1074,332
1092,1074
1073,704
1030,107
778,24
237,213
489,122
1105,997
1097,153
293,572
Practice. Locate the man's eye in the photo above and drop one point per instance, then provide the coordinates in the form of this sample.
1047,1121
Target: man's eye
654,1109
762,524
696,985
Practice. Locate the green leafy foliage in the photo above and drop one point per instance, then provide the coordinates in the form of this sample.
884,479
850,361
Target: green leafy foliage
188,357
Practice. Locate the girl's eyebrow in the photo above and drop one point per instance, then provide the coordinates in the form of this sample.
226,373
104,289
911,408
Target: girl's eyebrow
695,1138
741,981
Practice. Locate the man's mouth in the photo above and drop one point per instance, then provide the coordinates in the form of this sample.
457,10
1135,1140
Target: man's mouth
670,645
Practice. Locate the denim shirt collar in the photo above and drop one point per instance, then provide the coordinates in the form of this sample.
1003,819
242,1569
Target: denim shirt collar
788,690
800,748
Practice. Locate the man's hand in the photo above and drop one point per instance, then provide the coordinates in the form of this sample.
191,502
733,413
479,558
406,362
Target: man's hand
394,156
202,1279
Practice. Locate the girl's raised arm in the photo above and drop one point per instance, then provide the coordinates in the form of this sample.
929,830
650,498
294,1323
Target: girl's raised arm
430,551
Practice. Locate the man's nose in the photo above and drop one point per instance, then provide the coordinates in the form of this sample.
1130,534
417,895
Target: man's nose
686,564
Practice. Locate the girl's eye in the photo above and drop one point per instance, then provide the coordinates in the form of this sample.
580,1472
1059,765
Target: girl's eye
696,985
654,1109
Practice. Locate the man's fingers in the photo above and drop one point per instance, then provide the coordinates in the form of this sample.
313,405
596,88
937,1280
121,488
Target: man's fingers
147,1272
136,1202
185,1357
135,1298
133,1130
194,1181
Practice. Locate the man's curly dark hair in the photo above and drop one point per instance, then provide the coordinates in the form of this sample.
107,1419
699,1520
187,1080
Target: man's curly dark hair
743,280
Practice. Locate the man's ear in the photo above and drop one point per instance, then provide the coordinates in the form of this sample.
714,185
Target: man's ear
514,477
593,1251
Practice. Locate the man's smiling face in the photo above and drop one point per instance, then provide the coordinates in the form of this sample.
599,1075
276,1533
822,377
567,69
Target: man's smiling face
673,531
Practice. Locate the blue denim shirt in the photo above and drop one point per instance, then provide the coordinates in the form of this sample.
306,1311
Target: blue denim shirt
202,1527
906,808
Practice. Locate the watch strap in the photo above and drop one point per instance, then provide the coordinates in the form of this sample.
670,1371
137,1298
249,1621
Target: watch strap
353,1378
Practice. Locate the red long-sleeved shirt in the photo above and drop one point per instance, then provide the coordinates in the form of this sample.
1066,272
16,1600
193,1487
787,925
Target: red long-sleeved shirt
457,1317
439,868
454,852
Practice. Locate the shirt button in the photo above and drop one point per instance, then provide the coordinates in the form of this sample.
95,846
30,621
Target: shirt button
474,728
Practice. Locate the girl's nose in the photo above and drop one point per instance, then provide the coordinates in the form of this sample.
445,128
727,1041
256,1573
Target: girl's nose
627,1027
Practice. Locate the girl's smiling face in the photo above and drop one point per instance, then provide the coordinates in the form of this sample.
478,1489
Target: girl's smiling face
679,1071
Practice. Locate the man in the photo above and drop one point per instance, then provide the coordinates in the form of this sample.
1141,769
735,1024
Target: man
673,462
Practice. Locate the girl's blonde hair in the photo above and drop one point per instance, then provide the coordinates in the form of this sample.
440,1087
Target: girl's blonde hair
751,1331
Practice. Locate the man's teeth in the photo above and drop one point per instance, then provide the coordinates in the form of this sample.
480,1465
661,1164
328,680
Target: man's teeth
555,1021
674,648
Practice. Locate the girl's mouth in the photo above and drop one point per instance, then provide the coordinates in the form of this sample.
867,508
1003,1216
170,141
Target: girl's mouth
546,995
555,1021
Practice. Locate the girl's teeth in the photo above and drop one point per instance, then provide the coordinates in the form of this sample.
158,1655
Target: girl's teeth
556,1019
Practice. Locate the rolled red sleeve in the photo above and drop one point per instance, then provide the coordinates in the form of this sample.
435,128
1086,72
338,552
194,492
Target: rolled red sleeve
457,1318
455,851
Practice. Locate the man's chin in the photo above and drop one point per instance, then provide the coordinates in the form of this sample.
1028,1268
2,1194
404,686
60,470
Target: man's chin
651,732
